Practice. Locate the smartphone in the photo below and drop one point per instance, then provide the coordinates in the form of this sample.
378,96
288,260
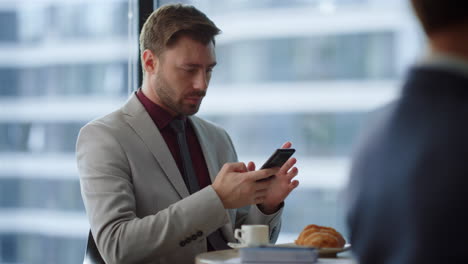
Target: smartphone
278,158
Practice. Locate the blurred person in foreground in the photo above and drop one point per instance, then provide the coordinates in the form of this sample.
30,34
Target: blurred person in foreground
409,178
159,184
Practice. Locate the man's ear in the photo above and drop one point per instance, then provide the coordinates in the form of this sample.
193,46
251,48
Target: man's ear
150,61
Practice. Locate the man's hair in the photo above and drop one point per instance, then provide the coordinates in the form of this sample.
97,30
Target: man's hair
167,23
437,15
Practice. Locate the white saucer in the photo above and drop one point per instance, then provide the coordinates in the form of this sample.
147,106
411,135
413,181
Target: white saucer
240,245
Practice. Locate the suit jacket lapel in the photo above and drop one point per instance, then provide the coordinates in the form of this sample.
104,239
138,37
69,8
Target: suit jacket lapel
141,122
213,168
208,153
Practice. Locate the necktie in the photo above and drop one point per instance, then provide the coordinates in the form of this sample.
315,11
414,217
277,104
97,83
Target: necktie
215,239
188,172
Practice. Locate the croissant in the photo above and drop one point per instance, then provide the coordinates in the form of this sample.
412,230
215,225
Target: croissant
321,237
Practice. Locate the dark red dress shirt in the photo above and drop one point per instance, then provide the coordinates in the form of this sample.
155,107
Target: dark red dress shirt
161,119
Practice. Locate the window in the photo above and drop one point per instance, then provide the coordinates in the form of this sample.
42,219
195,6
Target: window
308,58
309,72
62,63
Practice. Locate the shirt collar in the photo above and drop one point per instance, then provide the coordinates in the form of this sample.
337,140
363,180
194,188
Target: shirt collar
445,61
160,116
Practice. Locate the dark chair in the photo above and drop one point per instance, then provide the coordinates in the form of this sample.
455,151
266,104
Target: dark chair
92,255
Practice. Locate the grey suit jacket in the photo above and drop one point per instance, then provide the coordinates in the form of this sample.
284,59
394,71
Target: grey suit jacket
138,206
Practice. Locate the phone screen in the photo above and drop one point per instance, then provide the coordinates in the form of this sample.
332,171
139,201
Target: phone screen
278,158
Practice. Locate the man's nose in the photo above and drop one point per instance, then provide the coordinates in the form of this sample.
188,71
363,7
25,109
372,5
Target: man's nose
201,80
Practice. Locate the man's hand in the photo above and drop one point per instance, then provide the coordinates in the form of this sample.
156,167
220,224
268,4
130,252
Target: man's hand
237,187
281,184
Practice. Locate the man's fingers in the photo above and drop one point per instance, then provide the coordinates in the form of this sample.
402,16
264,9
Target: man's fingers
293,185
262,174
236,167
292,173
251,166
287,165
287,145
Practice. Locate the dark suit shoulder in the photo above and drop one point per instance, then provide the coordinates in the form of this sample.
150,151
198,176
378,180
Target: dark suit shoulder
425,80
409,176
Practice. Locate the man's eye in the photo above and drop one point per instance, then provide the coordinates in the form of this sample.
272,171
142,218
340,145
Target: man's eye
189,70
209,70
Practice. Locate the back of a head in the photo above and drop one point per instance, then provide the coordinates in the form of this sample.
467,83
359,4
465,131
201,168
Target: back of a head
167,23
441,15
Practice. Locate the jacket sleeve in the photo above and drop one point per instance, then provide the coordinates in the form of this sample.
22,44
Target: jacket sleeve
109,199
250,215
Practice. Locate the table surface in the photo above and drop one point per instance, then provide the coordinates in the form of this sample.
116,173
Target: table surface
223,256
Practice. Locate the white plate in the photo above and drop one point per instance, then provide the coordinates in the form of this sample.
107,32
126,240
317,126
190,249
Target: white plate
325,251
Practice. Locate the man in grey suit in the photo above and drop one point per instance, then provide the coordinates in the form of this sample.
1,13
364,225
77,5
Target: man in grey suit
409,179
159,184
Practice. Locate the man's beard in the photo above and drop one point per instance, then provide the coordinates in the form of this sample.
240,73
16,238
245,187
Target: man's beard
168,97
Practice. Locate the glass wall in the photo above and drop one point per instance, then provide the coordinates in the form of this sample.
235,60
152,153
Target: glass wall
62,64
311,72
308,58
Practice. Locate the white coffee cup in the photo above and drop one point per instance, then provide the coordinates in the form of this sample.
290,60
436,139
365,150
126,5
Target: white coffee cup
252,235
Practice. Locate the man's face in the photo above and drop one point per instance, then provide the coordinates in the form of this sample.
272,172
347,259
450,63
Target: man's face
183,74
